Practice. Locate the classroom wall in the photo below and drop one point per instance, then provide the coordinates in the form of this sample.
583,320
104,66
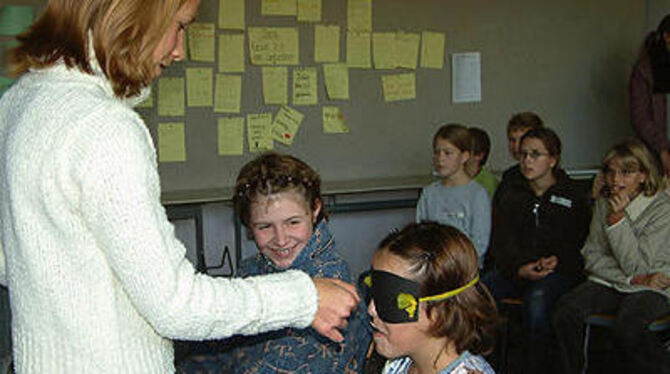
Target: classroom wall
567,60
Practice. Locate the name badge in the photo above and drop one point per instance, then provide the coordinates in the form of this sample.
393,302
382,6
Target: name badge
561,201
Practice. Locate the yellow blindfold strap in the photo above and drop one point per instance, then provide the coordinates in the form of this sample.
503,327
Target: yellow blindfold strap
451,293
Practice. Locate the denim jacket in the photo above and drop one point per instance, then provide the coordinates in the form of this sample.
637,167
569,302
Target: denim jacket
292,350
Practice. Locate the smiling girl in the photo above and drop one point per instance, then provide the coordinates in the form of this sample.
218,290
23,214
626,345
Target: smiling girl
430,313
278,199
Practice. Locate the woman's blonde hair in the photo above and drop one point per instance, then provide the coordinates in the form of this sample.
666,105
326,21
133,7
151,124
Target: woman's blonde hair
634,155
125,34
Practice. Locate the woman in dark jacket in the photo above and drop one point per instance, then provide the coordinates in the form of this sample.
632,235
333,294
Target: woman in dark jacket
540,226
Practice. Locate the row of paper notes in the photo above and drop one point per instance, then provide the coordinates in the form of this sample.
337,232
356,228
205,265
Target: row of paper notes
231,12
262,131
280,46
225,95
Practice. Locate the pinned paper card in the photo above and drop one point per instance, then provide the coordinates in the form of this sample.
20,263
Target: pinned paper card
359,15
383,48
286,125
171,144
275,85
199,87
278,8
309,10
333,121
326,43
466,84
231,53
258,132
358,49
228,93
231,14
273,45
14,19
336,78
399,86
231,136
432,50
407,49
201,42
171,96
304,86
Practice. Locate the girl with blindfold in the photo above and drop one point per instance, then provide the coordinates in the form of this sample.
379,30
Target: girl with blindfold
430,313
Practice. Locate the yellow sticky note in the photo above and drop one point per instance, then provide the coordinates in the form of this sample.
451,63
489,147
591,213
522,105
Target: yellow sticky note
432,50
336,78
399,86
201,42
383,49
258,132
278,7
359,15
304,86
171,144
231,53
199,87
228,93
231,136
286,125
309,10
407,49
358,49
333,121
275,85
273,45
171,96
231,14
326,43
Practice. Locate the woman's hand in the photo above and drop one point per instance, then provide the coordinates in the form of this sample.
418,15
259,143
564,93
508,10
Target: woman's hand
534,271
336,301
658,280
617,204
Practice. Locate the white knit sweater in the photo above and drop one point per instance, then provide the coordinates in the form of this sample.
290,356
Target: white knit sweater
97,280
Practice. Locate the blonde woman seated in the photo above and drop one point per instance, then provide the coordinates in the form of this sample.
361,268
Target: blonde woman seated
627,260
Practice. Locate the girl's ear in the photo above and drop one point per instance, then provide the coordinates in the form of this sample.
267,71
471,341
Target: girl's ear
317,210
465,156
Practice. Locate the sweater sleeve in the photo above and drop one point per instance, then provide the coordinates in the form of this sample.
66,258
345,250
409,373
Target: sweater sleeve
3,268
120,205
641,106
598,258
421,207
481,223
636,252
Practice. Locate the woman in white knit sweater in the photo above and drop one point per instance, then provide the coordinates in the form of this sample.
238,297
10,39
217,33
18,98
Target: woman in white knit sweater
98,282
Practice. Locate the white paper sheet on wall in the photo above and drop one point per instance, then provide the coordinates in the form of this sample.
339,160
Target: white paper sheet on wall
466,83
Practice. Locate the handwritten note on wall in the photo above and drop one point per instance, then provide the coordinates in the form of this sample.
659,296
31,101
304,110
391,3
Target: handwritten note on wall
201,42
286,125
230,136
399,86
304,86
273,45
258,132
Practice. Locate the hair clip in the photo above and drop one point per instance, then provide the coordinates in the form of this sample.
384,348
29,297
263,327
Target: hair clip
428,256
